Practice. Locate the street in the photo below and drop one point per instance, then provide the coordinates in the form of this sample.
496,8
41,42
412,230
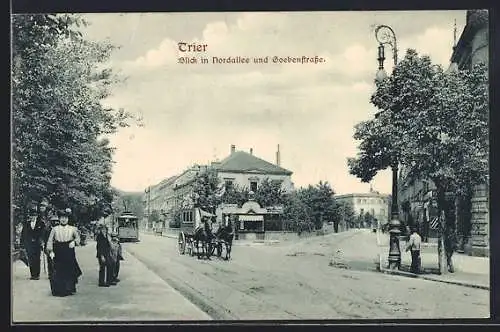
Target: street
297,281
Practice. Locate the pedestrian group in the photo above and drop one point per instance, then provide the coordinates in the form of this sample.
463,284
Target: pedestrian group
52,234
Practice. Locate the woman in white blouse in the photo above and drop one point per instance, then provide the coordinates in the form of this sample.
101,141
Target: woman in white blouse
61,247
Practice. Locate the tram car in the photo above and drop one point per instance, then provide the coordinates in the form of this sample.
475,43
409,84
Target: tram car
127,227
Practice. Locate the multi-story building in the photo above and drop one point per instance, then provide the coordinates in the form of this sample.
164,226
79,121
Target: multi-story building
247,171
416,198
240,169
373,202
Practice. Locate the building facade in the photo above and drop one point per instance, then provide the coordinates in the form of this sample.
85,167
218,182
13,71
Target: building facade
239,168
373,202
245,170
417,199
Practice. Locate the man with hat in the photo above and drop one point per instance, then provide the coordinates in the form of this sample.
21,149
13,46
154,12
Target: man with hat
32,236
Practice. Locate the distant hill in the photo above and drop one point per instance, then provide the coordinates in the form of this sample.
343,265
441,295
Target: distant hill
128,193
131,200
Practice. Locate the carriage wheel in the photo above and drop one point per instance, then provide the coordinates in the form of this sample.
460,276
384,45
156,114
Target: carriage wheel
181,243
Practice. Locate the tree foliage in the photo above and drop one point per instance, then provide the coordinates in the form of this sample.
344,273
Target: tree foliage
58,82
296,213
269,193
207,191
434,123
129,201
312,204
235,194
347,214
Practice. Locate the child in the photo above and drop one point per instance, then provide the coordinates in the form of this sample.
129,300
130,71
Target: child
116,256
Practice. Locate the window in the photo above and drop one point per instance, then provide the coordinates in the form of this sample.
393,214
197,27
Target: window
359,201
229,184
253,186
362,211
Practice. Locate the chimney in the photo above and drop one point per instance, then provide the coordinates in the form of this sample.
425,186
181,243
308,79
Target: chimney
233,148
251,151
278,157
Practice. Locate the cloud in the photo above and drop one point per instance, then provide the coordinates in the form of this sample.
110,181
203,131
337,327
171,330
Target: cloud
166,53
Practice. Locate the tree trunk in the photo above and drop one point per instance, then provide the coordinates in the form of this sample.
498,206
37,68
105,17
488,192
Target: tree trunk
441,248
446,240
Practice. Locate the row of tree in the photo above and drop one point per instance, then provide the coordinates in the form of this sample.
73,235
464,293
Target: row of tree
307,207
59,149
433,123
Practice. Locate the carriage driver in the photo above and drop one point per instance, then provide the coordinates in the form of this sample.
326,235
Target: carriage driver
215,227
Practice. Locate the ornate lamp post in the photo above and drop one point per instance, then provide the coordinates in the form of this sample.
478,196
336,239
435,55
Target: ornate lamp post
386,36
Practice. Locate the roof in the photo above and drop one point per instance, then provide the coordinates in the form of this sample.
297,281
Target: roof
356,195
243,162
476,19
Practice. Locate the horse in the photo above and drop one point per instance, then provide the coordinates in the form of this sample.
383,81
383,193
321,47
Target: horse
225,235
203,235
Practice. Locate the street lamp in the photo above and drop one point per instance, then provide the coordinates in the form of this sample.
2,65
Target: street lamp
385,36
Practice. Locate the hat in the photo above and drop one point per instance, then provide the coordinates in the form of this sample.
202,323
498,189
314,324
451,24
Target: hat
63,213
32,210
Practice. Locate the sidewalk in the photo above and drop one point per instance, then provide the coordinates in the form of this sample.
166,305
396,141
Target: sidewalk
469,271
141,295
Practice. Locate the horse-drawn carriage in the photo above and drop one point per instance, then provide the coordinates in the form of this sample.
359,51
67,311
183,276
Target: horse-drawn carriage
197,235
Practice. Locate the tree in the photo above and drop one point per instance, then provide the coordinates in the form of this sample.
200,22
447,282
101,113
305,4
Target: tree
58,82
235,194
349,215
129,201
206,191
436,125
368,220
295,212
320,203
269,193
327,204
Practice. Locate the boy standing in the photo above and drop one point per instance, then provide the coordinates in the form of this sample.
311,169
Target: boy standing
116,255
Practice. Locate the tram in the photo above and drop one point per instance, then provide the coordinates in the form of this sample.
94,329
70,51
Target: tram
128,227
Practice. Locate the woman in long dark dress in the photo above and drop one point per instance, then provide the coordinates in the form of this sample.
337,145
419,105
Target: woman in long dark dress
61,246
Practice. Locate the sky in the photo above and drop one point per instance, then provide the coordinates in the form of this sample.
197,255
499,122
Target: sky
193,113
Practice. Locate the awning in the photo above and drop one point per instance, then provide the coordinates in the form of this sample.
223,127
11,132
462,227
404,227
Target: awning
250,217
206,214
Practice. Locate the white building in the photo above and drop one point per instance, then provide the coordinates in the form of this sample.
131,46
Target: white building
247,171
376,204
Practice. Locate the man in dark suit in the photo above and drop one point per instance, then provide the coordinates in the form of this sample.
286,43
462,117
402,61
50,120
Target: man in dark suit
32,235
